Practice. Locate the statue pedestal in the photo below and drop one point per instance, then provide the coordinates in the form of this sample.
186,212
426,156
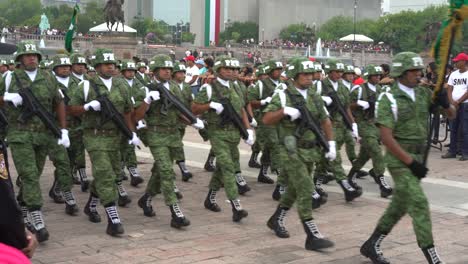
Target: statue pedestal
123,44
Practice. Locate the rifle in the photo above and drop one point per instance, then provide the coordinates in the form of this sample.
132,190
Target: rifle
370,113
110,113
32,107
340,108
169,99
229,115
307,121
3,119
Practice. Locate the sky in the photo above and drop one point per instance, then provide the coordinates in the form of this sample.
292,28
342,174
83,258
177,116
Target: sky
172,11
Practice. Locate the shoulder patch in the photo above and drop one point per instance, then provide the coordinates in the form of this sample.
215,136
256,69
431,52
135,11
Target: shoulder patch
393,104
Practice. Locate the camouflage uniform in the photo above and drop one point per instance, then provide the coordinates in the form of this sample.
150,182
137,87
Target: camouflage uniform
142,78
407,118
349,142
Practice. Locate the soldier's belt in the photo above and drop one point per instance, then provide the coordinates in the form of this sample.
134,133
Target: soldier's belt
414,148
307,144
102,132
174,129
216,126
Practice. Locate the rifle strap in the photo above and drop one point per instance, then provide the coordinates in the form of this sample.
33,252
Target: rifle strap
95,88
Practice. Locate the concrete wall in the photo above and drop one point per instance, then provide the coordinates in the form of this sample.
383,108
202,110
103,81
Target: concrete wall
243,10
274,15
396,6
197,20
130,9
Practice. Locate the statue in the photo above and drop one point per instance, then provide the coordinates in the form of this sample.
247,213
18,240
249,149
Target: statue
114,14
44,25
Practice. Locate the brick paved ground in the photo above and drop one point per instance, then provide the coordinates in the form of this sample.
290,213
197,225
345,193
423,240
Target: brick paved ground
214,238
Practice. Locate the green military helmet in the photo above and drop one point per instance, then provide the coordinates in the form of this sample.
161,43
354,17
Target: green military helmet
27,47
178,67
91,69
405,61
128,65
372,69
273,65
140,64
300,65
4,62
102,56
349,69
11,62
260,71
225,62
318,66
60,60
334,65
77,58
44,64
235,63
161,61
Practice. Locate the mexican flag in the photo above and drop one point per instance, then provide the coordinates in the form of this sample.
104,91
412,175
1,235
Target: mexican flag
71,30
212,21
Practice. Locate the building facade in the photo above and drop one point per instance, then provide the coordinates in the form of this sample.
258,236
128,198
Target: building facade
395,6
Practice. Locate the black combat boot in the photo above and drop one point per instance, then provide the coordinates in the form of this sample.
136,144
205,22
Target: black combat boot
135,177
37,221
371,248
26,219
124,199
123,175
186,174
75,177
315,240
319,189
374,176
361,174
114,226
242,186
253,163
177,192
279,190
91,209
70,203
209,164
349,192
210,201
84,182
431,255
352,180
276,222
327,177
263,175
385,189
55,193
316,200
178,219
237,212
145,203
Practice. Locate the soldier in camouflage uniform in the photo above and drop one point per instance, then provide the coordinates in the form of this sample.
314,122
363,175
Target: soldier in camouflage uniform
401,115
91,71
141,74
77,149
31,140
363,103
259,97
134,87
300,151
178,77
224,139
100,138
164,140
332,84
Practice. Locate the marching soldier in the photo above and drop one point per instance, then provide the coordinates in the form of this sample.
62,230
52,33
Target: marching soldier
333,85
364,98
224,139
141,74
100,138
77,149
30,140
129,159
91,71
164,139
299,152
401,115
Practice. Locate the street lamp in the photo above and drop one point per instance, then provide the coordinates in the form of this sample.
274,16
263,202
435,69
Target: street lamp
263,36
354,35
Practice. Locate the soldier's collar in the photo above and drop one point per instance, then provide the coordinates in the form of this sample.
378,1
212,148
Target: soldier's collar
275,82
223,82
81,77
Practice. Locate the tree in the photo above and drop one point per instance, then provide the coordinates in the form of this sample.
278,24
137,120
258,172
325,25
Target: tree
188,37
298,33
92,16
16,12
158,27
244,30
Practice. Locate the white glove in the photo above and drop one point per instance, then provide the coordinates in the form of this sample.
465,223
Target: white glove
250,140
64,139
292,112
217,107
327,99
253,123
265,101
198,124
355,131
135,140
94,105
365,105
14,98
152,96
331,154
141,124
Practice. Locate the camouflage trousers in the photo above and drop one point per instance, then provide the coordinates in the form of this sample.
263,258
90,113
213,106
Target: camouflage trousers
335,166
128,154
268,140
162,173
29,156
60,158
300,185
350,145
227,164
408,197
77,151
106,169
180,153
370,149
